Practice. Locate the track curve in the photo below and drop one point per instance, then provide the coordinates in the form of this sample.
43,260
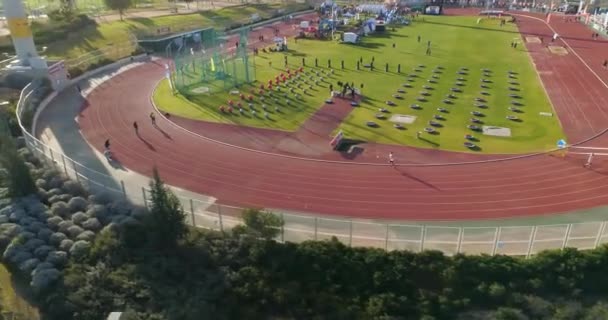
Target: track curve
541,184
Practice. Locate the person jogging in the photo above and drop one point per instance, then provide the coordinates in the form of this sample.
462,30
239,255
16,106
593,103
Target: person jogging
136,127
153,118
391,158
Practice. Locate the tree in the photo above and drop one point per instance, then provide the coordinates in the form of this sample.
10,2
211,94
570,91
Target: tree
167,224
598,312
262,223
509,314
119,5
13,171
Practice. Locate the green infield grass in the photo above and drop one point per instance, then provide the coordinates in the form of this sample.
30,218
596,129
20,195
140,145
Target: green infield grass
456,42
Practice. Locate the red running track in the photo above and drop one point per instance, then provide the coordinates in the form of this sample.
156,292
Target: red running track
533,185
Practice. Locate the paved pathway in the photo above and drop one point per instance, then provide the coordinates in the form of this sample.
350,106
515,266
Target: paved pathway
58,128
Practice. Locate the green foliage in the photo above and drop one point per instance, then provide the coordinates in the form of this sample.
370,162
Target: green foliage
62,23
15,174
233,277
166,224
509,314
119,5
263,224
77,71
8,120
598,312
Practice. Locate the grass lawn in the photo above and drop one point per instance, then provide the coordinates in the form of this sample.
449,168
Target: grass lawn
455,42
12,305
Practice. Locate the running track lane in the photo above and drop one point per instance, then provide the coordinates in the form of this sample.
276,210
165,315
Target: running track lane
579,98
535,185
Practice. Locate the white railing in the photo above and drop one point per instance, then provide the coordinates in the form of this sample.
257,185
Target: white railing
509,240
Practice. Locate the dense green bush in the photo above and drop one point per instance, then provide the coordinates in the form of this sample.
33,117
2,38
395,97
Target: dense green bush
60,26
8,119
16,175
261,224
75,72
231,277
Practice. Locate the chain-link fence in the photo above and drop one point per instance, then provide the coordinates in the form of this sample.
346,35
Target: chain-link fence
508,240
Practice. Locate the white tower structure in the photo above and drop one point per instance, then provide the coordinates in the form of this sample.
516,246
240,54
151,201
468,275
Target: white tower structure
21,33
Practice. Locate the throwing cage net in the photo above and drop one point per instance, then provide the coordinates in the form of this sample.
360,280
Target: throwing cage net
210,61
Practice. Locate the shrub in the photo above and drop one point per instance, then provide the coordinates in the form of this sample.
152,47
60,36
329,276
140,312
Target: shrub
65,225
52,199
53,222
28,265
42,251
20,257
33,205
16,175
57,258
42,266
26,221
86,235
33,244
26,154
102,198
43,279
80,249
54,192
66,245
60,26
41,184
77,204
139,213
120,207
74,188
75,231
98,211
79,217
35,226
11,250
55,182
17,215
56,238
261,223
64,197
60,209
45,234
92,224
25,236
8,231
